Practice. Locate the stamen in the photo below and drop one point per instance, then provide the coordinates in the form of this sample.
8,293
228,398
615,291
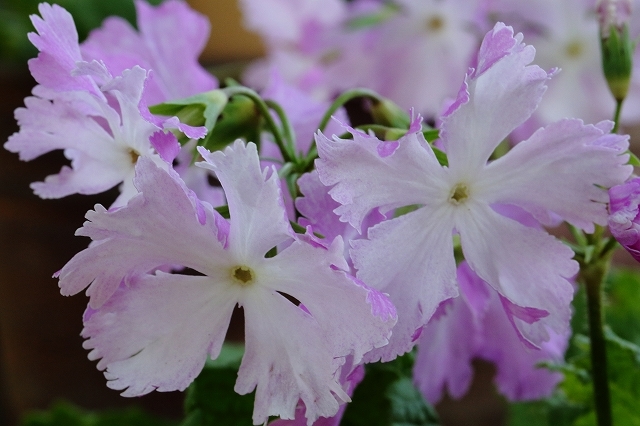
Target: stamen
134,155
459,194
243,274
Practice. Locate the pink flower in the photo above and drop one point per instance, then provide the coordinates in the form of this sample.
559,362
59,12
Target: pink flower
153,330
561,170
99,120
624,222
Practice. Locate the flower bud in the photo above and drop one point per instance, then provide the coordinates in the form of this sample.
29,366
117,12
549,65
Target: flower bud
616,45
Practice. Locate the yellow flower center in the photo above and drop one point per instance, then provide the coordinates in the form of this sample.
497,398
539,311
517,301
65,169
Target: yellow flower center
243,275
459,194
434,23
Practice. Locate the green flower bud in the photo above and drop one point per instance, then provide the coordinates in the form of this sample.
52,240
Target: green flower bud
616,46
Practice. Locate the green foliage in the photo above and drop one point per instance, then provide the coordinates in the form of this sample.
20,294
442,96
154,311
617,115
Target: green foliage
66,414
387,397
622,304
210,399
572,405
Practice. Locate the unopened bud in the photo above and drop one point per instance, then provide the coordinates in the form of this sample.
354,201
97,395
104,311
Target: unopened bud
616,45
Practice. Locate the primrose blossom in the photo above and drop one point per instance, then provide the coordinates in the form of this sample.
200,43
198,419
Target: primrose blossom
560,171
153,330
99,120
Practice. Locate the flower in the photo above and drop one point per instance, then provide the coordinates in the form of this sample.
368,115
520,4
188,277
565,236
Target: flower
99,120
623,215
561,170
153,330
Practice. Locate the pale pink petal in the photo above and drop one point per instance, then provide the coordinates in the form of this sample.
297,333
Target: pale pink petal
367,173
623,218
501,95
525,265
519,377
288,357
356,317
49,125
57,41
564,168
350,377
411,259
317,206
254,197
129,242
451,340
171,38
157,333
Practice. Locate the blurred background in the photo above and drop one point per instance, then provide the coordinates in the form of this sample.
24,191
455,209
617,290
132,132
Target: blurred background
41,354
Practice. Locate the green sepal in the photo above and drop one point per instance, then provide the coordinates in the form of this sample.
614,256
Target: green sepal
388,397
202,109
431,134
441,156
223,210
387,113
633,159
211,400
240,119
617,60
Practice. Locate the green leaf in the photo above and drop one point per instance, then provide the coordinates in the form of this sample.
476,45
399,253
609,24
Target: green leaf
211,400
622,304
388,397
66,414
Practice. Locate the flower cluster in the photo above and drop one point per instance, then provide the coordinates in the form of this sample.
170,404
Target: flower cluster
378,245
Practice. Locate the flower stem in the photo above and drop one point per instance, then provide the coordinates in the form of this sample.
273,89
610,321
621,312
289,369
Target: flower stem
592,276
616,116
337,104
262,106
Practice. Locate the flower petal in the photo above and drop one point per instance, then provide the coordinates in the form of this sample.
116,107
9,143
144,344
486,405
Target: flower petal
288,357
367,173
157,333
563,168
57,41
356,317
527,266
159,226
411,259
254,197
502,93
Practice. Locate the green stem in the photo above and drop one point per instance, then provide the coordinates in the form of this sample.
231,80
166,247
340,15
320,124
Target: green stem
336,105
616,115
264,111
593,278
287,128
